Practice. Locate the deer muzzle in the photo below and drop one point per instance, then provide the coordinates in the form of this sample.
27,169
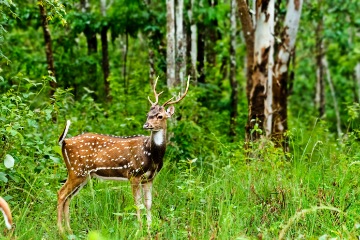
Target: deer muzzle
147,126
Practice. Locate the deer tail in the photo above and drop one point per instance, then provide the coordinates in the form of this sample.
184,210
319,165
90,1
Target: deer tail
5,209
63,135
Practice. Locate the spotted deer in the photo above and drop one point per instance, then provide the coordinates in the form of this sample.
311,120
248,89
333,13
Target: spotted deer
137,159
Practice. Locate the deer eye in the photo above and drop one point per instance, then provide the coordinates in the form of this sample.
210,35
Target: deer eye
160,117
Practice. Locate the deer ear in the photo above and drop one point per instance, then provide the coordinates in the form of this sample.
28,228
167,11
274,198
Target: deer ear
170,111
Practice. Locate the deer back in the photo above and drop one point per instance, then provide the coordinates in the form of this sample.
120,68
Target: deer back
110,157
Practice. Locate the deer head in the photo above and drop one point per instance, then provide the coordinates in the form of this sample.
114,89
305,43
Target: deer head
156,117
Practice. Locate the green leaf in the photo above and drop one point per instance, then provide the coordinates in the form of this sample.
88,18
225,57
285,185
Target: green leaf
3,177
57,149
9,161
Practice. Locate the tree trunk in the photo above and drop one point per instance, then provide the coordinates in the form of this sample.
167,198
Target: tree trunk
105,53
233,82
193,30
125,61
212,37
357,81
201,53
48,49
281,70
152,71
170,49
333,94
260,98
320,83
180,43
92,43
248,33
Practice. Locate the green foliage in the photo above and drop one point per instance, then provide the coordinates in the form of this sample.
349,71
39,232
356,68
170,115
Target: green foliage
208,184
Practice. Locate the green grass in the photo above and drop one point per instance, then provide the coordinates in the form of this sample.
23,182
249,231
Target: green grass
312,192
208,188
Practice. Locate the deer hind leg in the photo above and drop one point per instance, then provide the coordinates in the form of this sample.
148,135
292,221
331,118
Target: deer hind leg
148,201
65,194
136,190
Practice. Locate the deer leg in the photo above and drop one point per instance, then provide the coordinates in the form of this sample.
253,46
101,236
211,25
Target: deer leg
148,201
136,190
64,197
67,204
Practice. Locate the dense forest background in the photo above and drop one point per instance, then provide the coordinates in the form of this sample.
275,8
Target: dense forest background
94,62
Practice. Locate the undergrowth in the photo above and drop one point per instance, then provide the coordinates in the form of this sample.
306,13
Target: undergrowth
208,188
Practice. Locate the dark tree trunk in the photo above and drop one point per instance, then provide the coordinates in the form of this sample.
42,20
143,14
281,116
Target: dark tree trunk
233,82
213,36
201,54
48,48
105,62
91,41
92,46
248,32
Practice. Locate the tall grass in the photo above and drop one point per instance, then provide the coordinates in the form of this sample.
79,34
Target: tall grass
313,193
207,189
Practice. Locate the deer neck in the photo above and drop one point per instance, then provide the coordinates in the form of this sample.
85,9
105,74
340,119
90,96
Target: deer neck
158,145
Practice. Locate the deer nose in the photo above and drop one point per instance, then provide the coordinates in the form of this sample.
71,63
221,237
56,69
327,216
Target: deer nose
146,125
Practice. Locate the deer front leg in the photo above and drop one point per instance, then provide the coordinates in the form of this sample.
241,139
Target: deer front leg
148,201
136,189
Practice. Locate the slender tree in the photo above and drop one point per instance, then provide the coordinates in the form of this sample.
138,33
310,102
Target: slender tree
233,81
320,82
170,49
48,47
91,40
357,81
333,95
105,52
201,49
180,42
125,53
193,40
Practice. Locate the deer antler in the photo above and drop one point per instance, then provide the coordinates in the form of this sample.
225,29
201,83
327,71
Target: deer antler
156,94
169,102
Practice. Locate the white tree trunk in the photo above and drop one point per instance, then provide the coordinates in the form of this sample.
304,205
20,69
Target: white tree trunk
193,30
292,21
264,41
180,42
103,7
357,76
333,94
170,48
286,50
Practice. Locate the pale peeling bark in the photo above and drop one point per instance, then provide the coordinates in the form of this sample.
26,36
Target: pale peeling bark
193,36
103,7
170,48
260,105
357,78
180,43
291,25
333,95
